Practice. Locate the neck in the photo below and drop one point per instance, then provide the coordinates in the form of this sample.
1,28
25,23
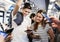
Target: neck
39,23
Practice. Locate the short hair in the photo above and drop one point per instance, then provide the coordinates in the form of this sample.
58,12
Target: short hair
32,15
27,5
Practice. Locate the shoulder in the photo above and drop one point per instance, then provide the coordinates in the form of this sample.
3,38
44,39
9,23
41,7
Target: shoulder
19,13
32,26
48,27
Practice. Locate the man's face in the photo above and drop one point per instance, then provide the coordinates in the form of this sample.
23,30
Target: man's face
26,11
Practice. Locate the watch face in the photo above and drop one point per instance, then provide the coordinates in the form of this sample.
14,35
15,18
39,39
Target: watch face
3,34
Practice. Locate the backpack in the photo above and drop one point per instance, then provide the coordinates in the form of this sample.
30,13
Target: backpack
19,18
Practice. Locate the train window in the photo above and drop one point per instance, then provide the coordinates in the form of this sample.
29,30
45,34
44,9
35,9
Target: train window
1,16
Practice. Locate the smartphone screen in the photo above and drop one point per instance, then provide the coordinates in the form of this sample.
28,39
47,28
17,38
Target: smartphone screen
3,34
45,16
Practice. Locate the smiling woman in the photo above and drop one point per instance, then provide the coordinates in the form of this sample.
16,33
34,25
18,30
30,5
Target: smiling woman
41,29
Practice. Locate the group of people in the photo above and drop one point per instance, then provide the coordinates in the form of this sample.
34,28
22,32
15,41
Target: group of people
33,28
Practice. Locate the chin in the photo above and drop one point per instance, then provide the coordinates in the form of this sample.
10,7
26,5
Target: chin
38,21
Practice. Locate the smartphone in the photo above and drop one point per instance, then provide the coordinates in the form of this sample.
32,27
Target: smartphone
48,19
28,30
9,30
4,34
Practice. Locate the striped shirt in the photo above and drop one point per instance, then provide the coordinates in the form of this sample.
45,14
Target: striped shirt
43,33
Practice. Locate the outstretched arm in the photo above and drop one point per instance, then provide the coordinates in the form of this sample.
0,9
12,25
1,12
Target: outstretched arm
51,34
19,2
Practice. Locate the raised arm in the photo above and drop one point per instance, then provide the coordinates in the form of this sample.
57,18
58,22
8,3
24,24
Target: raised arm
19,2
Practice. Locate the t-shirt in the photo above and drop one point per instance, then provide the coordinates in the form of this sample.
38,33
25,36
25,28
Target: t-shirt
43,33
19,34
19,18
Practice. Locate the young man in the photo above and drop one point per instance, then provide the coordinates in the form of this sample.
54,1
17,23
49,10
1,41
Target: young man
21,21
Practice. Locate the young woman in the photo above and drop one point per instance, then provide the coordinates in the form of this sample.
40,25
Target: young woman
41,30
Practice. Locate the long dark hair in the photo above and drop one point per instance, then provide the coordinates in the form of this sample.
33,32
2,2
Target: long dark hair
42,23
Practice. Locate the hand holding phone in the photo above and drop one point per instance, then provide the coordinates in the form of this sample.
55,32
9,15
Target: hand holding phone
29,31
9,30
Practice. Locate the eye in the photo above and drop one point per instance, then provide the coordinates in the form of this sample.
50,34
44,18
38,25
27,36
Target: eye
25,11
39,16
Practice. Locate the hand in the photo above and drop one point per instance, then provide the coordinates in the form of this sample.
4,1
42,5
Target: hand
2,38
54,25
9,38
29,31
53,18
36,36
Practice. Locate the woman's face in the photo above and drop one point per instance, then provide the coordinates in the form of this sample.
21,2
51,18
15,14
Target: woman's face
38,17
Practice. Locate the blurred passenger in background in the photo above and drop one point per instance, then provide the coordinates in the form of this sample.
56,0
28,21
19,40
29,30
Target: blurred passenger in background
56,21
32,17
